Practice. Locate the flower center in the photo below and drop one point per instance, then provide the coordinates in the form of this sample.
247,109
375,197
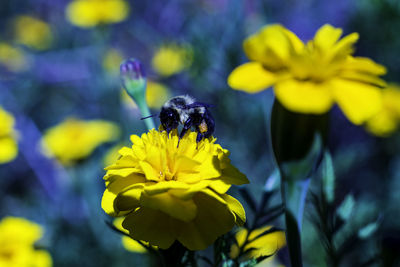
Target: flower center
166,176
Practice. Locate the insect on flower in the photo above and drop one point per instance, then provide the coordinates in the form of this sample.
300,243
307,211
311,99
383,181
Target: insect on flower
185,110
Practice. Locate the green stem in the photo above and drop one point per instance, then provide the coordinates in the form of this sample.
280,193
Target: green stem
145,111
294,197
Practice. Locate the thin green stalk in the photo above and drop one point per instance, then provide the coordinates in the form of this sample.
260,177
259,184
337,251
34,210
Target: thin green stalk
145,111
294,197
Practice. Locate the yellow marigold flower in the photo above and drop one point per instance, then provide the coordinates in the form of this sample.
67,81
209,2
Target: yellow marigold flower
170,59
32,32
76,139
156,95
262,246
13,58
90,13
127,242
311,77
8,143
17,239
168,192
388,118
111,61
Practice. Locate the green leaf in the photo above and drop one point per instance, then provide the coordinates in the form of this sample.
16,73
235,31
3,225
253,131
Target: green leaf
369,229
328,178
346,208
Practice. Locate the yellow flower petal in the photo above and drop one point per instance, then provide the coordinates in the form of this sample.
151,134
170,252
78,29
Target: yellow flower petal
363,77
251,77
19,231
236,208
112,190
262,246
8,149
86,14
156,94
345,46
32,32
187,193
304,97
184,210
272,46
132,245
153,226
41,258
219,186
128,200
358,101
232,175
363,64
200,233
75,139
391,99
326,37
382,124
164,186
150,172
170,59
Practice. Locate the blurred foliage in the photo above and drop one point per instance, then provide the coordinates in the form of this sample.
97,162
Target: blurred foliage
51,68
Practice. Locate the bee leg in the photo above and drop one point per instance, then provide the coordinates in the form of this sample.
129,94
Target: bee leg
186,127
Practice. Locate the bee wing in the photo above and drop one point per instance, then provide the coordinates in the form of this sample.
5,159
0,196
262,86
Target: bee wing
199,105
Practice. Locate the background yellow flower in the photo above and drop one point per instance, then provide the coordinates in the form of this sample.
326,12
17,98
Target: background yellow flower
17,240
265,245
32,32
311,77
14,59
168,192
387,120
111,61
8,142
170,59
75,139
90,13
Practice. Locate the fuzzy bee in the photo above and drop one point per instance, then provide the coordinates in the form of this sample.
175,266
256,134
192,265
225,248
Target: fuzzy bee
186,111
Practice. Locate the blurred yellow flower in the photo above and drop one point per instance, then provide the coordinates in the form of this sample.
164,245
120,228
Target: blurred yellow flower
388,118
8,142
32,32
111,61
261,246
168,192
127,242
310,78
17,239
76,139
90,13
170,59
13,58
156,95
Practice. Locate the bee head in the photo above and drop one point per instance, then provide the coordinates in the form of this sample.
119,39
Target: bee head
169,118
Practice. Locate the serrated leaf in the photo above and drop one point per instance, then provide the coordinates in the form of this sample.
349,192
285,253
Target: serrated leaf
328,178
346,208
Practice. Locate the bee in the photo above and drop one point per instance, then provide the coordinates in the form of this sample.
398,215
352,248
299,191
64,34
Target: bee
185,110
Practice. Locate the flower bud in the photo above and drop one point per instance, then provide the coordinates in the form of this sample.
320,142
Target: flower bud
133,77
134,81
